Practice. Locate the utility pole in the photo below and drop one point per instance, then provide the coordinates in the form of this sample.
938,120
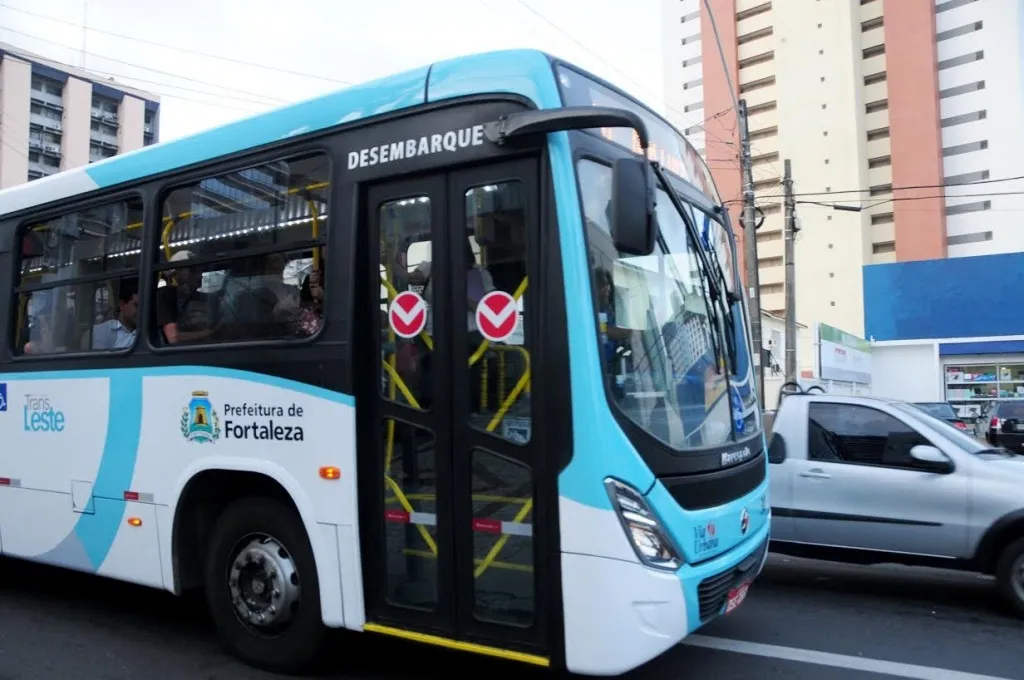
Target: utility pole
750,249
790,234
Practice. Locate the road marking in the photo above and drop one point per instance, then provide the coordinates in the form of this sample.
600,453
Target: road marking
894,668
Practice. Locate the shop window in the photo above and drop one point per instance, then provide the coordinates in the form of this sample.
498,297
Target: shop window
971,387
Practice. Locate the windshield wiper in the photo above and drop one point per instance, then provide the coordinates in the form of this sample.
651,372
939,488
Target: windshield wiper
728,299
716,281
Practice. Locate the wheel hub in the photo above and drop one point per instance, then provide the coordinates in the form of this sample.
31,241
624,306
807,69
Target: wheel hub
264,584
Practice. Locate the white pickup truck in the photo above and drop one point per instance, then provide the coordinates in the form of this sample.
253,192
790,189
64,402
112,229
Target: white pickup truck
866,480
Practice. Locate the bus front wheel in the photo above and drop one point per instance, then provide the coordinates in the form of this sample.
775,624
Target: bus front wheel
262,588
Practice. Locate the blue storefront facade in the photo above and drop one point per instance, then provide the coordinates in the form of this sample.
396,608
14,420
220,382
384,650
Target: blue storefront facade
949,329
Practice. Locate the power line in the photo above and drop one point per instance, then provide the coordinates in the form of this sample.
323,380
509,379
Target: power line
615,68
154,70
171,95
897,199
175,47
903,188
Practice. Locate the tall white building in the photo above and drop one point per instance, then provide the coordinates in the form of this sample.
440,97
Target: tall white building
863,96
54,117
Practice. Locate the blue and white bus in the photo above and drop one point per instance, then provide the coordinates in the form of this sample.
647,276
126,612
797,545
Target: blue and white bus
455,356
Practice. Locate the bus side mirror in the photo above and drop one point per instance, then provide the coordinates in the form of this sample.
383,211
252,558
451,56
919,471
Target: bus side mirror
631,210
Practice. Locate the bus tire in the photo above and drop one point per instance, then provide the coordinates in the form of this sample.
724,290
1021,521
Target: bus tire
1010,575
262,589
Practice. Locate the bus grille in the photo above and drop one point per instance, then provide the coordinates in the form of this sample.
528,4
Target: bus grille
711,489
713,591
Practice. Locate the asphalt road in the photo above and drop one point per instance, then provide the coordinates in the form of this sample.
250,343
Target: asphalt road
802,621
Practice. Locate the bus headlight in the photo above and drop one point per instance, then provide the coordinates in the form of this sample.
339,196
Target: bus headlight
643,529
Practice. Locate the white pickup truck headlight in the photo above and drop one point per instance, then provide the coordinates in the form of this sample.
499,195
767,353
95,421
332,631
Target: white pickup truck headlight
643,528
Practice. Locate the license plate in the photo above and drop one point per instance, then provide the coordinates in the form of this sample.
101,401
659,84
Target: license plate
736,597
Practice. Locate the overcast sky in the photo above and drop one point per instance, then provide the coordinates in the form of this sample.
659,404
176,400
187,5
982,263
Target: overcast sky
332,42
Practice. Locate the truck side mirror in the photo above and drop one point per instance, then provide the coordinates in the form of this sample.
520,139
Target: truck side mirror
631,210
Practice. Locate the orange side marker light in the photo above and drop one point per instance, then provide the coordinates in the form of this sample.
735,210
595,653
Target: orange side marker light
134,522
330,472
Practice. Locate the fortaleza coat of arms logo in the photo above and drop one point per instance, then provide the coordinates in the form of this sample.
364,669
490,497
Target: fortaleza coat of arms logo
199,420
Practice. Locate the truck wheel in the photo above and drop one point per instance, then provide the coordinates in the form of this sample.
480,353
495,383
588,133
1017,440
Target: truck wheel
1010,575
262,588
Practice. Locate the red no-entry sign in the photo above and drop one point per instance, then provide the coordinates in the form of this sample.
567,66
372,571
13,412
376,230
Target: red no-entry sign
497,316
408,314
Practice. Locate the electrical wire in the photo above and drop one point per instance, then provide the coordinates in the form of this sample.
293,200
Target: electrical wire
175,47
901,188
272,100
897,199
594,54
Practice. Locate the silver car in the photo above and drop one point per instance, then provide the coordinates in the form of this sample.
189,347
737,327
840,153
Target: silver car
867,480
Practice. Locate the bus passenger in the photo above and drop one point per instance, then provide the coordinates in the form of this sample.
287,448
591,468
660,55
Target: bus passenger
182,310
310,315
119,332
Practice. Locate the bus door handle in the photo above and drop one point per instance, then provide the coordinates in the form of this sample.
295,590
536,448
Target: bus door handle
816,473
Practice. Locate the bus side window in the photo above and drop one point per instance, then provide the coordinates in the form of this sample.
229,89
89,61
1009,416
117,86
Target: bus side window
234,257
65,263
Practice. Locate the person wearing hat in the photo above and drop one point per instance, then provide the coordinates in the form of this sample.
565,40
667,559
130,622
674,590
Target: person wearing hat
182,310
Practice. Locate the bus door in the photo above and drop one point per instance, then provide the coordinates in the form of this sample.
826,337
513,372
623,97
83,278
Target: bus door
449,447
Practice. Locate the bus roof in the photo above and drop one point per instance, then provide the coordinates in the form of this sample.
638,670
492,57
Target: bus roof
526,73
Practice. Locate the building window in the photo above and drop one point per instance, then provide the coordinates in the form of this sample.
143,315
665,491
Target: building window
871,24
951,4
755,35
875,107
961,60
762,58
761,108
962,89
754,11
758,84
965,208
958,31
874,51
959,149
964,239
964,118
967,178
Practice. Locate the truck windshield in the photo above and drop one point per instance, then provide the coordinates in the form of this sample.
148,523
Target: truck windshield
660,347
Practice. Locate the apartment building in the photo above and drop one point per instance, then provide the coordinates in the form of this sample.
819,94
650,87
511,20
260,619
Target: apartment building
54,117
864,97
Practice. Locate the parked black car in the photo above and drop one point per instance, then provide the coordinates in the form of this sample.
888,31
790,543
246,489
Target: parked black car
1006,425
943,410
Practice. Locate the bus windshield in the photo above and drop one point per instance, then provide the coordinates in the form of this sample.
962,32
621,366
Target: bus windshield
660,331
